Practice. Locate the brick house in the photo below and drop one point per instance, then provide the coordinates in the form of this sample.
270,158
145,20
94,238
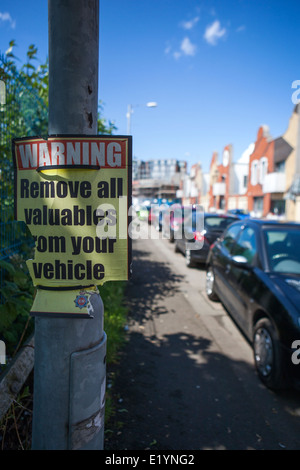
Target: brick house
267,175
238,188
220,180
260,162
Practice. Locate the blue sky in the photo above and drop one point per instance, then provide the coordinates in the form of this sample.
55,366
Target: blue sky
217,69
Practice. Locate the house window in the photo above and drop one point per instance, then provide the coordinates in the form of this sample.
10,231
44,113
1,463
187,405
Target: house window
263,169
277,207
280,167
254,169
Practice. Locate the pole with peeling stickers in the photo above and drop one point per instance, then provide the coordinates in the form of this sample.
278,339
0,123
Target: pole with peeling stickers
69,369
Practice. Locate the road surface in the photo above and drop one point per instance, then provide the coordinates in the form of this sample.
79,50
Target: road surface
186,378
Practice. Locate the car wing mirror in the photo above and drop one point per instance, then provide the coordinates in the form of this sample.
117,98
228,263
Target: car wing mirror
240,261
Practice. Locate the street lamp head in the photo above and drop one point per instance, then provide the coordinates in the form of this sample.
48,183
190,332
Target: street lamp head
151,104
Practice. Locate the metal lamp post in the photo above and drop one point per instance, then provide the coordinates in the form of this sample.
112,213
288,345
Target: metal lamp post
69,370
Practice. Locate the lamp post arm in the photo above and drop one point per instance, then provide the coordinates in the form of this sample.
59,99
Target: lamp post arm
128,115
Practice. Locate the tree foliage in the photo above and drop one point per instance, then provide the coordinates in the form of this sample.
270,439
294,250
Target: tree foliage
32,84
23,113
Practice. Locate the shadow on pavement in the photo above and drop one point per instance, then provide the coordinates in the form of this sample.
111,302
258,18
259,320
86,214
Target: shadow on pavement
151,285
173,389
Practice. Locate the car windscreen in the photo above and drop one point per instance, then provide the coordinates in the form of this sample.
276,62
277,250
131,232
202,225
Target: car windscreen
198,221
283,249
217,223
238,211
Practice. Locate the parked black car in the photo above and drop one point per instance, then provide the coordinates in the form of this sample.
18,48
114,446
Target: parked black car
254,269
197,232
242,214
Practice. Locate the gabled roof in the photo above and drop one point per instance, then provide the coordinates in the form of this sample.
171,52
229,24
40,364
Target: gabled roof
282,150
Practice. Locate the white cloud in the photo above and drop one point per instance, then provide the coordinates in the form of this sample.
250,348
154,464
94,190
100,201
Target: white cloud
214,32
6,17
187,47
168,49
190,24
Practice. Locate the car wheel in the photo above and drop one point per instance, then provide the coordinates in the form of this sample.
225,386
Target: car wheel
210,284
267,354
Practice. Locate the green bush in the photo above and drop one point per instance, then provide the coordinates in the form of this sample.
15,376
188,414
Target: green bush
115,315
17,294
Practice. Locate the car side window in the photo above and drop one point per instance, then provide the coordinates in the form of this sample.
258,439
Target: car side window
246,245
230,237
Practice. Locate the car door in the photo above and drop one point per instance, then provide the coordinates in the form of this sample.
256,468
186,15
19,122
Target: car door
221,259
241,276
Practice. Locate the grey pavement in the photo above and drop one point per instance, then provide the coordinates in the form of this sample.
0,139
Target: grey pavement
186,379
